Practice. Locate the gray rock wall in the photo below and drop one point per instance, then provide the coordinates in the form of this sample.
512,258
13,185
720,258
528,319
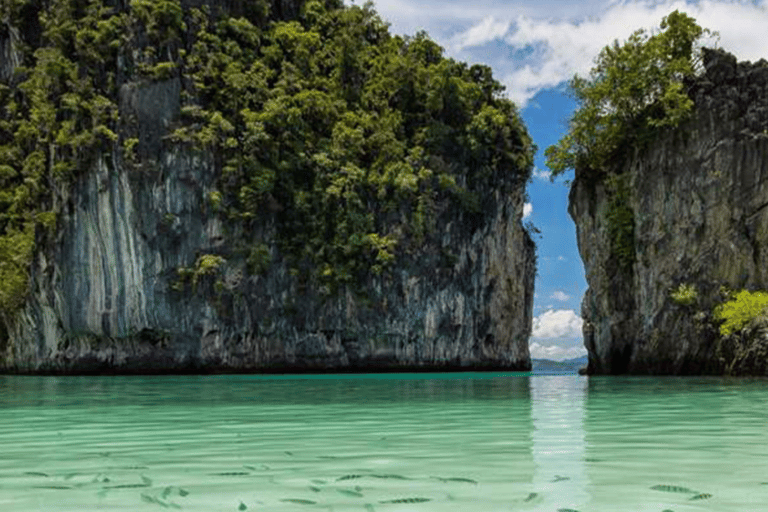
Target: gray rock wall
698,195
102,296
10,55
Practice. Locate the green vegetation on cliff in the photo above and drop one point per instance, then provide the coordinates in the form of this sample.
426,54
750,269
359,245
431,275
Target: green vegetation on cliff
634,89
741,308
349,139
684,295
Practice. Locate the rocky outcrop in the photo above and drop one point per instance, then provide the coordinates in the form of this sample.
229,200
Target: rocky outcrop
106,294
697,195
103,299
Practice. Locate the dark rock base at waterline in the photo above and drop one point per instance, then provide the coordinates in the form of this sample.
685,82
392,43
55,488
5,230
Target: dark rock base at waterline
276,368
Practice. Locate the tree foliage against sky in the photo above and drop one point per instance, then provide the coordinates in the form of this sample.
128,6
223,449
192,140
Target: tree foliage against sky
349,138
634,88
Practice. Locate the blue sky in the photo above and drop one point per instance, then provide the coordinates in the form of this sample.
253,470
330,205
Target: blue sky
534,47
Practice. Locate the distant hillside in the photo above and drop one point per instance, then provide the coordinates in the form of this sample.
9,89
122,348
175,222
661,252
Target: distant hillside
569,366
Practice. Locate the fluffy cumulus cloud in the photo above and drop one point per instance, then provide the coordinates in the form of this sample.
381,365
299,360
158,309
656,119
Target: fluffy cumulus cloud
562,48
527,210
557,323
557,335
537,45
555,352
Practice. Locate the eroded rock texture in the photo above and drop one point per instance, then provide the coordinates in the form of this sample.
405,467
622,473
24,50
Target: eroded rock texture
103,299
698,196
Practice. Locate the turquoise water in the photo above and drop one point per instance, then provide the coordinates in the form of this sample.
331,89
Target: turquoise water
394,443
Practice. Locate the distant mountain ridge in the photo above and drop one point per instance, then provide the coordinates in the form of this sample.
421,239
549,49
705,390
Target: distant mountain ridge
569,366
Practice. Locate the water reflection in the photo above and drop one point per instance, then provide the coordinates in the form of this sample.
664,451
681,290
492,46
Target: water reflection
67,391
558,439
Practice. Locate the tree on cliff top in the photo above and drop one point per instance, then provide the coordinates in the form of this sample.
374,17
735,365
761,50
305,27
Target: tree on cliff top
633,89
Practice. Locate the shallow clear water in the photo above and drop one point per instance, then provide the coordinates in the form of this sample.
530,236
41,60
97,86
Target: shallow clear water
464,442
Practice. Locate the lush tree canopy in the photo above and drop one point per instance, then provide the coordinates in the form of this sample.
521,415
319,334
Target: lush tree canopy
634,88
347,137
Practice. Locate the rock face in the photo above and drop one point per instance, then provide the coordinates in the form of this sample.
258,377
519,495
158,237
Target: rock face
697,196
103,299
105,294
10,56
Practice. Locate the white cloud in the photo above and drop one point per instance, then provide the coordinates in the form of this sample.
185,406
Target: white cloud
484,32
555,352
563,48
562,258
540,174
557,323
557,335
540,44
527,210
548,45
558,295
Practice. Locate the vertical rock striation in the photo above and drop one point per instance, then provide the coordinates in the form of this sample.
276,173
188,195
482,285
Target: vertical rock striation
698,197
10,55
103,299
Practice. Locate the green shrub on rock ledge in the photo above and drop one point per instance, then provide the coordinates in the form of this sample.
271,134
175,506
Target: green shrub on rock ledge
684,295
743,307
206,265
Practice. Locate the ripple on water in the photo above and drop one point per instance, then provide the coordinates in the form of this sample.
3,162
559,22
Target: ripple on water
199,443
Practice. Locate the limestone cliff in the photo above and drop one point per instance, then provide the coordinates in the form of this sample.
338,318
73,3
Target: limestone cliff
696,197
105,292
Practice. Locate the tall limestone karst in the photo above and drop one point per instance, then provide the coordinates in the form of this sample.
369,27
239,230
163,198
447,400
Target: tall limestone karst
245,185
694,200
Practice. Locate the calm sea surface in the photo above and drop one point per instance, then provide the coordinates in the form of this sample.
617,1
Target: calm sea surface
394,443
